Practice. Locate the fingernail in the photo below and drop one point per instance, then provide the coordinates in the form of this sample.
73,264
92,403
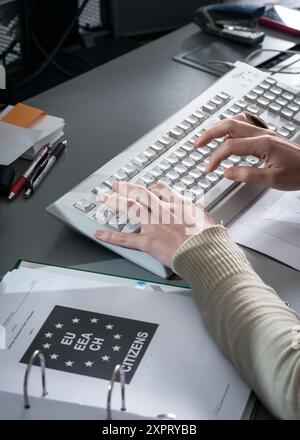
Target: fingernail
99,233
231,173
102,197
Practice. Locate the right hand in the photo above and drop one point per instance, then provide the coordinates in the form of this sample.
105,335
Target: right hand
281,157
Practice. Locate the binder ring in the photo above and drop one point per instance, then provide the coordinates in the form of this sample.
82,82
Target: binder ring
27,372
117,370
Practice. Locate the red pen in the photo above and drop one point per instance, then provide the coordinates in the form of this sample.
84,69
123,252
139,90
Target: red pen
22,180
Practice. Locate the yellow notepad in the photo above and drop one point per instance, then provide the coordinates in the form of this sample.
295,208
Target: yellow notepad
23,115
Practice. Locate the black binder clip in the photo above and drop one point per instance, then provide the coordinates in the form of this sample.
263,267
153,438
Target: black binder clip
232,21
26,376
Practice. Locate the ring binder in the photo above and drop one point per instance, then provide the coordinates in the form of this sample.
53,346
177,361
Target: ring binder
117,370
27,372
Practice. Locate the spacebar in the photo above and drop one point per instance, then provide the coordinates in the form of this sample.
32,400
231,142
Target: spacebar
218,192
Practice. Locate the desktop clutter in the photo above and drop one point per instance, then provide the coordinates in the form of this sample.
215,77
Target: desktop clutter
31,134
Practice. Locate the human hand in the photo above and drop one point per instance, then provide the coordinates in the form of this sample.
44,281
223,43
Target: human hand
166,219
281,157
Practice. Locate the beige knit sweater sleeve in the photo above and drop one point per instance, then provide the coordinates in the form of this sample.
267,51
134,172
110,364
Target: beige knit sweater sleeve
251,324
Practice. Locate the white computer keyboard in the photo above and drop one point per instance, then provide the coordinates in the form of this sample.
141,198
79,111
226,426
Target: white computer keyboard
166,153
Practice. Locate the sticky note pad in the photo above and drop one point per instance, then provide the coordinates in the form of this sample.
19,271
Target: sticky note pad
23,115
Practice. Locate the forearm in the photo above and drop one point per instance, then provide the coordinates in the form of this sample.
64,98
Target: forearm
251,324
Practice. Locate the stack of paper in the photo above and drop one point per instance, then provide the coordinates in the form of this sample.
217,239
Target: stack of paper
24,130
85,324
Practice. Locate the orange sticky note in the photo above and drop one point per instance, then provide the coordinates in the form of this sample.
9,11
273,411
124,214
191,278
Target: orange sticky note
23,115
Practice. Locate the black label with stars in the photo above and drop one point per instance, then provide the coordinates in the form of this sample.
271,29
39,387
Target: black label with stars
91,344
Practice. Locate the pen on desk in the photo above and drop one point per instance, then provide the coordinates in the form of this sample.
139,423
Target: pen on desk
45,169
22,180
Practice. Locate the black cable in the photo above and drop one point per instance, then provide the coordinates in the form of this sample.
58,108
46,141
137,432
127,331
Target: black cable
54,50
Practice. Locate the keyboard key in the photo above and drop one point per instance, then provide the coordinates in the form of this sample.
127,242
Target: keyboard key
180,187
217,101
165,181
253,161
287,113
220,171
181,169
270,96
207,160
226,164
227,114
196,156
293,107
281,101
104,214
212,177
234,109
224,96
244,164
210,107
109,182
177,133
253,109
283,132
258,90
149,179
140,182
242,104
204,184
251,96
201,167
131,228
159,148
263,101
84,205
156,172
188,147
130,170
193,121
180,153
265,85
100,189
141,160
164,166
121,175
288,96
172,159
297,118
189,163
297,100
150,154
276,108
173,176
197,191
189,195
234,159
276,90
195,174
199,115
185,126
271,80
212,145
205,151
290,127
118,221
188,181
166,142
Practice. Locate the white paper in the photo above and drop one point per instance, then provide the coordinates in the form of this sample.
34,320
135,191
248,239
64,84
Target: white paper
14,141
271,225
182,372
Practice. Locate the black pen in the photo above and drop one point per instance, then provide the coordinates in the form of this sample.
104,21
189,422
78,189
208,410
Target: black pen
44,169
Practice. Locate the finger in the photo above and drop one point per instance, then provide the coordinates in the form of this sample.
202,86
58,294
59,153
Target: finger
136,212
228,127
124,239
256,146
248,174
138,193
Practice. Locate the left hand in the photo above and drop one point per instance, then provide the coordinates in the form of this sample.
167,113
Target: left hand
166,219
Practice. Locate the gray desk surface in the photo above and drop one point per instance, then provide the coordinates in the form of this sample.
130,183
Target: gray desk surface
105,110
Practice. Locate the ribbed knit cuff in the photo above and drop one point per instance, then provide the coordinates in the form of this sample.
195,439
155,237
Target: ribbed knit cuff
208,259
